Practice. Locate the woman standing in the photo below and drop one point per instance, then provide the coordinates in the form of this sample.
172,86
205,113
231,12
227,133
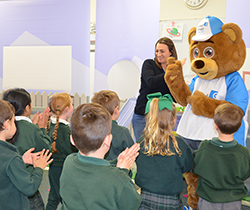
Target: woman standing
152,80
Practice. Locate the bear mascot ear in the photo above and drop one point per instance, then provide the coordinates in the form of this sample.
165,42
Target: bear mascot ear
191,33
233,31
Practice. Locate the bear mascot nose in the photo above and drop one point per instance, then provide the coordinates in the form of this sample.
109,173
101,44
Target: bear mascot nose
199,64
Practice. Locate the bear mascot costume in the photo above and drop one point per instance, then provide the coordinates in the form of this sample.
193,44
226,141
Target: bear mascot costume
217,51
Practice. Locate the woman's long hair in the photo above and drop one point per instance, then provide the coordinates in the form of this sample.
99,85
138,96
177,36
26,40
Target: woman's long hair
158,130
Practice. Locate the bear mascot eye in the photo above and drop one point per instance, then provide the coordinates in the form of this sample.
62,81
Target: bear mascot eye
196,53
208,52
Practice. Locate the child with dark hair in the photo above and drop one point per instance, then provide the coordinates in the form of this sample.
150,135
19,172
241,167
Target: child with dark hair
222,163
121,136
16,182
163,158
29,135
61,107
88,181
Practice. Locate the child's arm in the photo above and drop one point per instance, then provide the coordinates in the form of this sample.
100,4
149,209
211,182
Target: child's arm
43,141
21,179
129,198
125,139
187,159
128,156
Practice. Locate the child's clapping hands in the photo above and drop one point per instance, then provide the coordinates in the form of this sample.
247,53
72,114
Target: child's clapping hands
128,156
39,159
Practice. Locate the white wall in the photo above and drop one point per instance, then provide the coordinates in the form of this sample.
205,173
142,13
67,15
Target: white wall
176,10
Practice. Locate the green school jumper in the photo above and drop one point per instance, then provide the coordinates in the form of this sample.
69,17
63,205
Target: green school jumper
30,135
120,141
92,183
64,148
222,168
163,174
16,182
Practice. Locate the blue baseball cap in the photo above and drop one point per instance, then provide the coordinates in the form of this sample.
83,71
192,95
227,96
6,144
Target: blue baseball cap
207,27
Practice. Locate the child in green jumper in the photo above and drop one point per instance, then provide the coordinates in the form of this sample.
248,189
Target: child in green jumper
61,107
16,182
30,135
121,136
163,157
222,164
88,181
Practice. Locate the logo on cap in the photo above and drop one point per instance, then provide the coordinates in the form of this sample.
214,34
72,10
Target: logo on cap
207,27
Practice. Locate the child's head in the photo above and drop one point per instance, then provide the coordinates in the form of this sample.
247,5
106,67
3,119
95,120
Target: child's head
228,118
107,98
90,124
160,120
59,102
61,106
7,113
20,99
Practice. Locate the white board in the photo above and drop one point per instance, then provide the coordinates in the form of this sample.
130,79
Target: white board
37,67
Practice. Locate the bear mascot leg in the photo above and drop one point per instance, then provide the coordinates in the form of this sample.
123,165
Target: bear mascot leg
192,182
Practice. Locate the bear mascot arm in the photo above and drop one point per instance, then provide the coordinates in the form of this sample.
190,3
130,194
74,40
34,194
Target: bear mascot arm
203,105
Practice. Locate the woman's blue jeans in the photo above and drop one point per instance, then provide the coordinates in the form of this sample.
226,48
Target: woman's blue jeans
139,123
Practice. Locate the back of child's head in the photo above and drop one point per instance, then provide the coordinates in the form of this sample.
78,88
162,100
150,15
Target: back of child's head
57,103
19,98
90,124
6,112
159,126
107,98
228,118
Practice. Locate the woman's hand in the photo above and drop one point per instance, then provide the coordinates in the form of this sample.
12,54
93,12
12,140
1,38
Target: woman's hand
183,61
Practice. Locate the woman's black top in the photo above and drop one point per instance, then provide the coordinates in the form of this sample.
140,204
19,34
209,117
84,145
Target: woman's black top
152,81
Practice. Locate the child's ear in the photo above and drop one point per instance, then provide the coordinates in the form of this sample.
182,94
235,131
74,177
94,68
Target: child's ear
216,126
66,109
116,111
72,141
6,125
108,140
27,109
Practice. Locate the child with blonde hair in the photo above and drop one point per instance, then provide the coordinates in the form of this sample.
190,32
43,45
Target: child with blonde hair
31,134
163,158
61,107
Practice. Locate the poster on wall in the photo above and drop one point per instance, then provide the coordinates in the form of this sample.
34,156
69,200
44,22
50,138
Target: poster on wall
172,30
